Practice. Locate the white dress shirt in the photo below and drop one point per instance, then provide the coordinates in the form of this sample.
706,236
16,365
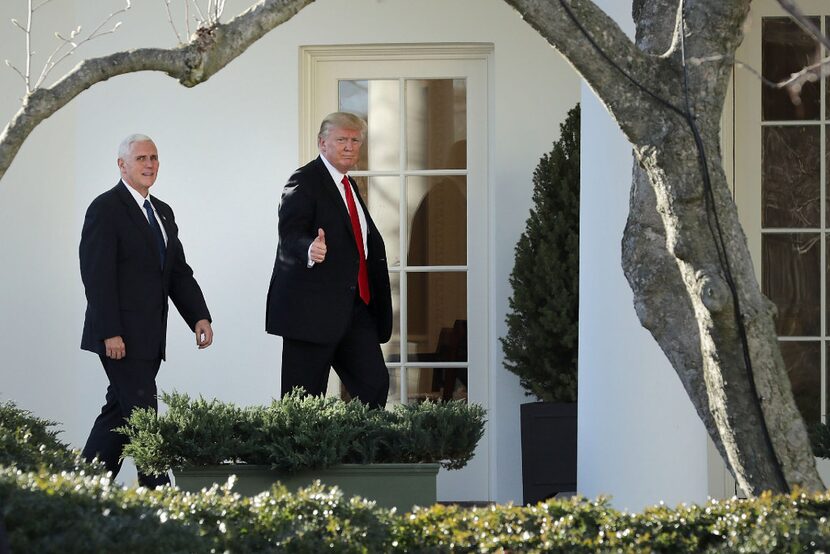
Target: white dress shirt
338,178
140,201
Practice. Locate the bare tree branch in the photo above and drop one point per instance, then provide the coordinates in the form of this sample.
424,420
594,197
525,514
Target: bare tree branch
201,16
74,45
568,24
36,8
804,22
170,19
192,64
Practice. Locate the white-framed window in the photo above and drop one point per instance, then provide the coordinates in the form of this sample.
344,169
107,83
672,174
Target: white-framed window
424,178
780,185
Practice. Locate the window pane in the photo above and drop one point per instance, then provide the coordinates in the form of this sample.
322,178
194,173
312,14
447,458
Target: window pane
378,102
803,363
785,50
392,349
827,275
790,278
394,387
437,316
436,124
437,208
827,171
790,178
382,196
436,384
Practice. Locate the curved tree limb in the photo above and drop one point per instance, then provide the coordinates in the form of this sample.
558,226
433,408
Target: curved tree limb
209,50
622,98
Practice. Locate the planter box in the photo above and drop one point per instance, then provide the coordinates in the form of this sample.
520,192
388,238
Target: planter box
400,486
548,450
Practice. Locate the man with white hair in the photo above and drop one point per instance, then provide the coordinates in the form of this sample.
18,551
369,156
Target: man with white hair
131,262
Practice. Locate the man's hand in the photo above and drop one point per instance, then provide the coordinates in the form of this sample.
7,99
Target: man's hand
204,333
115,347
317,253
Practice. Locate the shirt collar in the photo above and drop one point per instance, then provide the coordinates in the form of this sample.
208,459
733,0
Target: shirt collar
137,195
335,174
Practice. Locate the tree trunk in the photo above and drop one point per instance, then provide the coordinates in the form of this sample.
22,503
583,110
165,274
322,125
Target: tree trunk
684,252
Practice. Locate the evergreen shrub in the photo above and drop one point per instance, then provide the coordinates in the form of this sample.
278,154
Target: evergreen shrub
301,432
29,442
76,513
542,327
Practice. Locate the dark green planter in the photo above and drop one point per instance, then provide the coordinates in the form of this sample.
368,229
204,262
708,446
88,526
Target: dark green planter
400,486
548,450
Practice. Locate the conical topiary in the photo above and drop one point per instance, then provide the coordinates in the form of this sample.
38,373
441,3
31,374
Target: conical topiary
542,326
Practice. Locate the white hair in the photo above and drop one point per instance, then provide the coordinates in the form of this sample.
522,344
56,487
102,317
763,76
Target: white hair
127,144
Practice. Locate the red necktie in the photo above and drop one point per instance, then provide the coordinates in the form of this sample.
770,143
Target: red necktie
362,272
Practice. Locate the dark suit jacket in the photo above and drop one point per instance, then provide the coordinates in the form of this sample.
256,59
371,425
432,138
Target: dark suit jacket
315,304
126,287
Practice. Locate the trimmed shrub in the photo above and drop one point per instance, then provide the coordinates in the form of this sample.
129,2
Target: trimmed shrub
71,513
29,442
75,513
301,432
543,324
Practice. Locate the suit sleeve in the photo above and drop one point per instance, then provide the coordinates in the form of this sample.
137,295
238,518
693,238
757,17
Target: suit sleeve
184,290
99,258
296,222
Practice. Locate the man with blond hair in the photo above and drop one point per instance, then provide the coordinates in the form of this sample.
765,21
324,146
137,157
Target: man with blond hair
329,296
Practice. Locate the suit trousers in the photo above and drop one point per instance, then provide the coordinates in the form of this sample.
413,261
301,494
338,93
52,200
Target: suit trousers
356,357
132,384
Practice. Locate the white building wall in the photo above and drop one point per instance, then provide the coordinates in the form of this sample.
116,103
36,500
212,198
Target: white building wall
226,149
639,437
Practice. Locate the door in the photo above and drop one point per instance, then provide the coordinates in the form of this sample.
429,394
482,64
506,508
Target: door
423,175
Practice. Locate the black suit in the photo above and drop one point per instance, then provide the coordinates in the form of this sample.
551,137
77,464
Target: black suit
317,310
127,292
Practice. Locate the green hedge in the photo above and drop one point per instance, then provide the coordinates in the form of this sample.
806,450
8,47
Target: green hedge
29,442
49,510
301,432
71,513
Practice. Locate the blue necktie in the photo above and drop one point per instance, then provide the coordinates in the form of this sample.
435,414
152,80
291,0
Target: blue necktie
151,217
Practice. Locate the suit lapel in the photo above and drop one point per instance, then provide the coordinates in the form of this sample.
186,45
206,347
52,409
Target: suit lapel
138,218
169,229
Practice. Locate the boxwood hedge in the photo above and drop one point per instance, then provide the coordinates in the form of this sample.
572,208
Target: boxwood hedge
77,510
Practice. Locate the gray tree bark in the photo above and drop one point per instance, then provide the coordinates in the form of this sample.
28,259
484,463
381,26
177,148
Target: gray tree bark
684,250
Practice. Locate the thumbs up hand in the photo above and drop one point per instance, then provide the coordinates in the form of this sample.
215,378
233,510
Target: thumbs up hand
317,252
